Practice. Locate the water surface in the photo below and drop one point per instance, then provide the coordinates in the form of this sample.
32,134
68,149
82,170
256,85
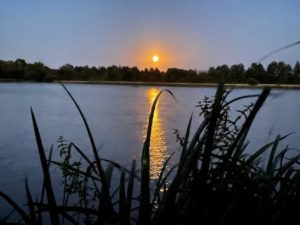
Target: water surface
118,117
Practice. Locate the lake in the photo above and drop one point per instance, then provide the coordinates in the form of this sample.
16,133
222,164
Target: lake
118,117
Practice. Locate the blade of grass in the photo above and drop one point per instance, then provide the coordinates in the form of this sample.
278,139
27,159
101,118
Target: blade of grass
286,166
211,130
130,187
261,150
109,211
240,98
71,168
145,206
247,124
185,144
108,174
159,183
167,206
30,203
145,210
119,167
16,207
47,179
84,156
40,220
241,147
76,209
123,219
270,166
280,156
6,218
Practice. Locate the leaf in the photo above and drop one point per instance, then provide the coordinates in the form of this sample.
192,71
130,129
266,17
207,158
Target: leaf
145,209
260,151
30,203
130,186
124,220
185,144
247,124
105,188
271,165
47,179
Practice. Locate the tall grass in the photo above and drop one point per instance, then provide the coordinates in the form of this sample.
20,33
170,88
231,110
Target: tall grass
214,182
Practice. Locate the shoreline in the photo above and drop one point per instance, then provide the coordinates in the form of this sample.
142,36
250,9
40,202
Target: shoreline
167,84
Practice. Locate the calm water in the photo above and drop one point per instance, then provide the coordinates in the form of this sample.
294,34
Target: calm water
118,117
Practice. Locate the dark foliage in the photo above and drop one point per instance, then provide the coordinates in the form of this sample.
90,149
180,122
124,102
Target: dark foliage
276,72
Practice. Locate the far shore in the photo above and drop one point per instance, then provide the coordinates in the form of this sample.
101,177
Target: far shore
138,83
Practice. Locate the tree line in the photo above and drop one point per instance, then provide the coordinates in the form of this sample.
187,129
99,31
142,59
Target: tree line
275,72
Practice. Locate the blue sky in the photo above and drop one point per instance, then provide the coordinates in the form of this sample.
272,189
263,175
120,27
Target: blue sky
185,34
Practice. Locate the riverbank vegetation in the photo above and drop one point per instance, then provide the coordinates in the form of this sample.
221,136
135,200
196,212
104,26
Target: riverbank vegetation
274,73
215,181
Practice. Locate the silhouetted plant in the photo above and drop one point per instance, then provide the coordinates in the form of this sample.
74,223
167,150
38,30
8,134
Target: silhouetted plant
214,179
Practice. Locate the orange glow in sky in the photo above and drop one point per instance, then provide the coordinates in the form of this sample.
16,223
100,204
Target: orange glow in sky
155,59
154,54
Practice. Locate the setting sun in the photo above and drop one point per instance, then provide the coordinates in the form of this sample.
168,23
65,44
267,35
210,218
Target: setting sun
155,58
158,55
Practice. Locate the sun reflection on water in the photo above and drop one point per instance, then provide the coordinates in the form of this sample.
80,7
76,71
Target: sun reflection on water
158,144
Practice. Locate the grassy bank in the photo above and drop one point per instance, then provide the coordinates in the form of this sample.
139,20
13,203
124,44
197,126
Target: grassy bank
167,84
214,181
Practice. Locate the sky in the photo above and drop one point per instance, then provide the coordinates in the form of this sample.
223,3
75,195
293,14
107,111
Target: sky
188,34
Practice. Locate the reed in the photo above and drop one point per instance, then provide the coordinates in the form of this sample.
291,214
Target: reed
214,182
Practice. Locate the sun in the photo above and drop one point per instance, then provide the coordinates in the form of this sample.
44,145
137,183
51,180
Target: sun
155,58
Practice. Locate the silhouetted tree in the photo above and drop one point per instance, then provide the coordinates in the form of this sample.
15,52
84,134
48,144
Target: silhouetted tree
285,72
256,71
273,72
296,72
222,73
277,72
211,74
237,73
20,62
36,71
101,73
175,75
65,72
113,73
